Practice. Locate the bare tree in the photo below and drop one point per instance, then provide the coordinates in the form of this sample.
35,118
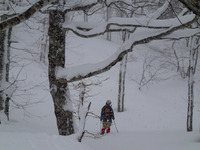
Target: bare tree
125,36
121,92
10,22
82,112
122,70
83,88
185,59
180,61
5,41
193,44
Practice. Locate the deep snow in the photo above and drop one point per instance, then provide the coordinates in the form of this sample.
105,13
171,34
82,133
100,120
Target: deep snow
154,119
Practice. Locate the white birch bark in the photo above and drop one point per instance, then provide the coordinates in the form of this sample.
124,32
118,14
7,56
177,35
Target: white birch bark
81,112
44,43
122,77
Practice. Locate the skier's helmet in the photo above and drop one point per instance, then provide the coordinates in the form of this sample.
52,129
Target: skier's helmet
108,102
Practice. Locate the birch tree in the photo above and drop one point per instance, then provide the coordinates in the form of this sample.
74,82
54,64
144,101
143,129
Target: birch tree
193,44
122,70
44,41
4,71
5,86
82,111
7,12
187,67
125,36
18,18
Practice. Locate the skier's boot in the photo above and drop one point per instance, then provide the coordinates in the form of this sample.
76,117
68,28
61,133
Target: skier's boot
108,130
102,131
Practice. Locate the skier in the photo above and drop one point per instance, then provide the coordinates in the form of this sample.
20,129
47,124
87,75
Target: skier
107,115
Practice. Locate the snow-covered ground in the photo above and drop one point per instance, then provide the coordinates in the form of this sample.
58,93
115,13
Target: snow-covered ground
154,117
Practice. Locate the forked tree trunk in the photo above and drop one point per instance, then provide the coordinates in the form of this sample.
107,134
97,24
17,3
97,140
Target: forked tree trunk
59,88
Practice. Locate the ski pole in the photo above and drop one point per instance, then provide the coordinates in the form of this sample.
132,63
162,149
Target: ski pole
116,126
100,125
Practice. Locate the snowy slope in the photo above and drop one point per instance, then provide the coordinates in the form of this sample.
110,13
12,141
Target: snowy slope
155,117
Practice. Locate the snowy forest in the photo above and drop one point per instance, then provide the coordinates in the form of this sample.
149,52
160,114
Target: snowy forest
61,60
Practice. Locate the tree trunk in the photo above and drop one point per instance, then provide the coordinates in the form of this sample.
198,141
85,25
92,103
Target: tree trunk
59,88
85,16
193,5
191,71
13,21
122,76
82,112
2,50
44,43
108,14
190,99
4,68
7,101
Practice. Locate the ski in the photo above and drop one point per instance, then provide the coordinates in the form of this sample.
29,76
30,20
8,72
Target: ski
99,135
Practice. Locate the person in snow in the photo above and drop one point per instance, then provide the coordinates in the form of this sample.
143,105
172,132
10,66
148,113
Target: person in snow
107,115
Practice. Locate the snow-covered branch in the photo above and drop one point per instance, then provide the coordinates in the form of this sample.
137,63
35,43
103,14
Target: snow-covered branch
182,33
141,35
158,13
82,6
25,15
193,5
117,24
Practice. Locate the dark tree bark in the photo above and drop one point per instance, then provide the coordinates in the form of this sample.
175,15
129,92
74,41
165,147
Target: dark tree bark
59,88
193,5
24,16
2,39
108,15
193,42
7,101
4,67
190,99
122,77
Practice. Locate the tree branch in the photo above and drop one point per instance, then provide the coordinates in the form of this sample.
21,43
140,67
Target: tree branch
140,37
193,5
118,24
82,7
25,15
